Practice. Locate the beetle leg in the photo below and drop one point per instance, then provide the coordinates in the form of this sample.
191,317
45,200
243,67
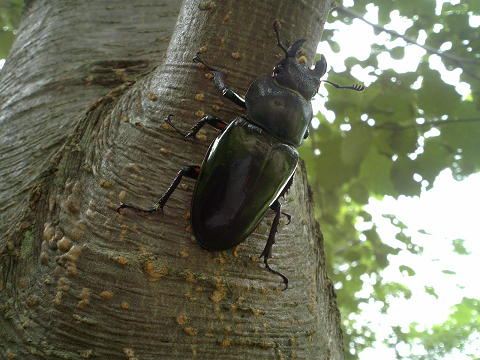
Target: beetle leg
220,84
285,190
209,119
307,133
266,253
356,87
287,215
191,171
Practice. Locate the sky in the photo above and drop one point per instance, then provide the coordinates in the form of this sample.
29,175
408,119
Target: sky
447,212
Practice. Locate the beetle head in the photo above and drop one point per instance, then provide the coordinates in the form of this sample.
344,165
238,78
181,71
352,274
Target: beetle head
295,75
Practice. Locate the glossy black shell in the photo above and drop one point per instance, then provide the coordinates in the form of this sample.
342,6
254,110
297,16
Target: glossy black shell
283,113
242,174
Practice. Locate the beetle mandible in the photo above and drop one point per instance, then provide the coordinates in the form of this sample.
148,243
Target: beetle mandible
250,165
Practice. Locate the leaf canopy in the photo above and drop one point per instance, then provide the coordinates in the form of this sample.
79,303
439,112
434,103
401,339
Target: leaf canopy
394,139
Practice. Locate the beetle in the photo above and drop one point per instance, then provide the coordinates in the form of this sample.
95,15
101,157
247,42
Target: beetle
250,165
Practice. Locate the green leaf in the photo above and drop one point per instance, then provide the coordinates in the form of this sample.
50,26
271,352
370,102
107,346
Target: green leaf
473,6
435,157
384,14
345,179
431,291
335,47
464,138
449,272
436,97
404,141
424,9
6,40
365,215
398,52
396,290
404,238
424,232
406,270
375,173
381,141
456,22
359,193
356,144
459,247
10,11
402,177
329,169
392,104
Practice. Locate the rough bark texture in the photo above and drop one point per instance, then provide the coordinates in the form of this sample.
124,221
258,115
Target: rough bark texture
82,130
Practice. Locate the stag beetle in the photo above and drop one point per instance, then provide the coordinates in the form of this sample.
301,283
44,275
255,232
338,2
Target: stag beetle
250,165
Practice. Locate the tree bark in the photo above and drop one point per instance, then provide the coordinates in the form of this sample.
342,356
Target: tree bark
84,96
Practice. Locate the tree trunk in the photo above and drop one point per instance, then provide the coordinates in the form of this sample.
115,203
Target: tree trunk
84,96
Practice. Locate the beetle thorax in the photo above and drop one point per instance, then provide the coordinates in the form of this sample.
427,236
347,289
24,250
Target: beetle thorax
281,111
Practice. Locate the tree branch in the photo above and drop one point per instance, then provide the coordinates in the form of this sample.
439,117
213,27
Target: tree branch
458,61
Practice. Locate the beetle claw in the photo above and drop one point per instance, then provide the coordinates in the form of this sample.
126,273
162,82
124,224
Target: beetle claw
139,211
284,278
168,120
120,207
157,208
289,217
198,59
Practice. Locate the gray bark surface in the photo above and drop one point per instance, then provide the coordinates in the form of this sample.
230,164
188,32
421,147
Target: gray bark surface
84,96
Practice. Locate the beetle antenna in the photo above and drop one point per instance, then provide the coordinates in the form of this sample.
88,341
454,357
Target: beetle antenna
356,87
276,27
